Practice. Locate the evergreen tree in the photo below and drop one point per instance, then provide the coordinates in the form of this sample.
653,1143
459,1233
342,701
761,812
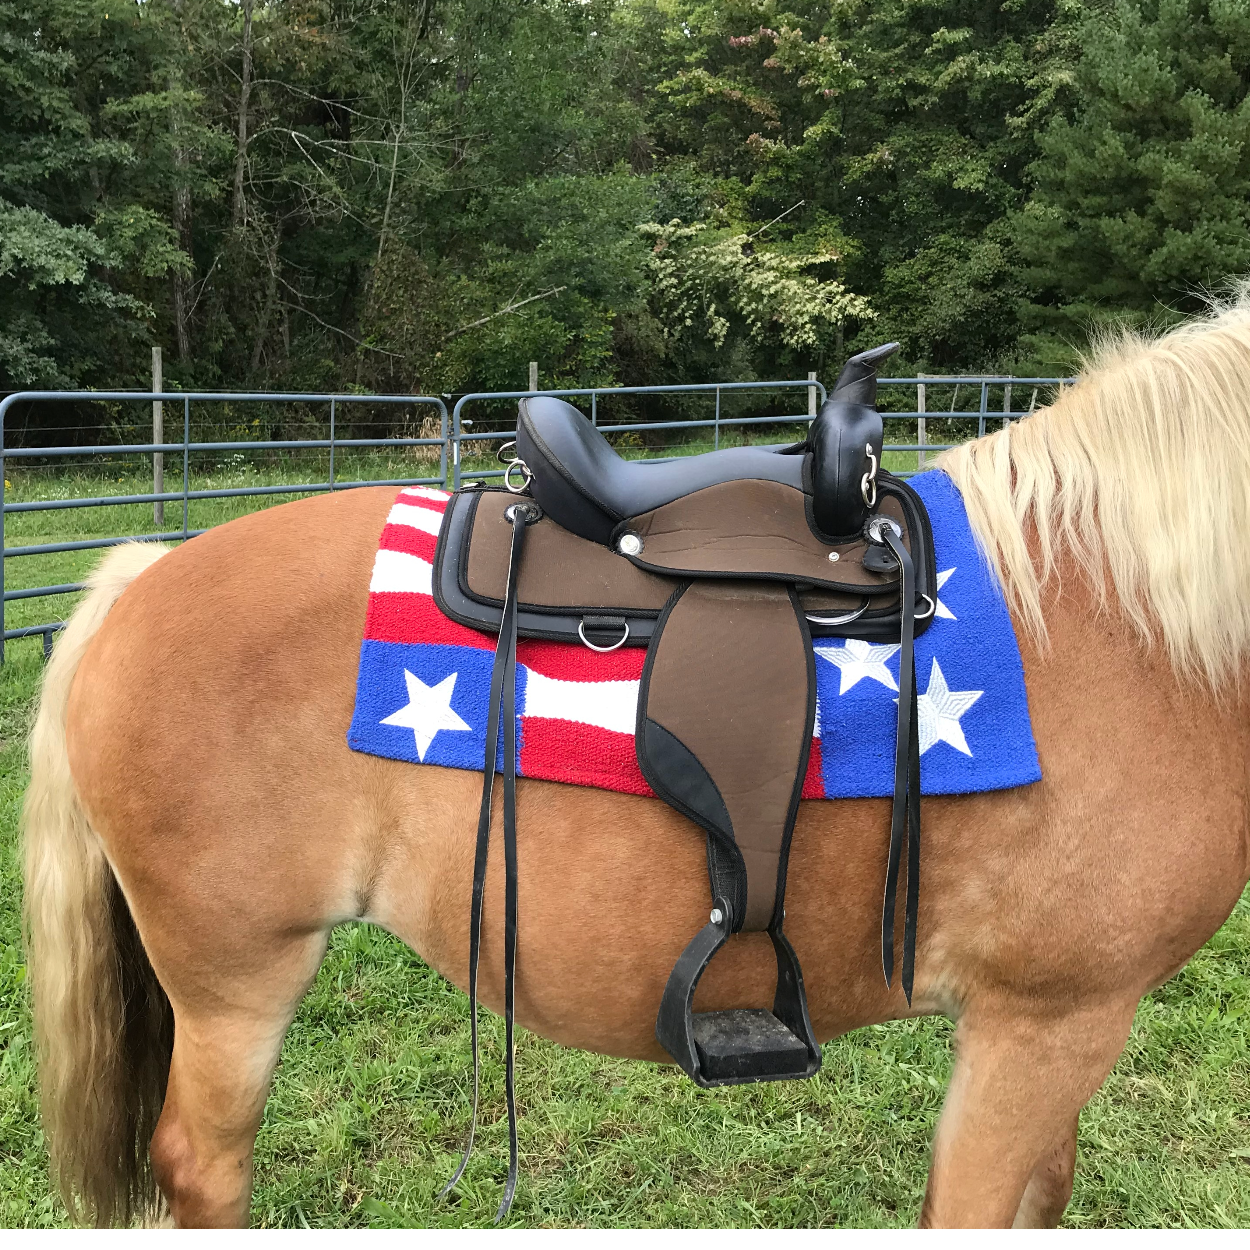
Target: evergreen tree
1142,195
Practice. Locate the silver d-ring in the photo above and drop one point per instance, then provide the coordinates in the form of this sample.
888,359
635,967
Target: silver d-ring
869,479
499,452
527,476
839,620
924,616
581,633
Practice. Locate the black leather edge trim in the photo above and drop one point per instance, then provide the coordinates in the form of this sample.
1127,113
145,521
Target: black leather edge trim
783,862
917,523
457,521
722,837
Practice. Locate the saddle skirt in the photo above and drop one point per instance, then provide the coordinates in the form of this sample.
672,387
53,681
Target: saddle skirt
423,683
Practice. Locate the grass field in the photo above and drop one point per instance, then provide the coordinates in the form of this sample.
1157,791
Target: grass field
371,1098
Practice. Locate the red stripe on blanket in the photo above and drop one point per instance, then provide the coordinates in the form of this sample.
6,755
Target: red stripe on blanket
556,750
395,616
409,539
573,662
813,782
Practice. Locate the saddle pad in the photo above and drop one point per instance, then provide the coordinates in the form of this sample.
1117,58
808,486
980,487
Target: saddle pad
423,683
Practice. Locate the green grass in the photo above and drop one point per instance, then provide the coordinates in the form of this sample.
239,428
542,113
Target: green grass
370,1103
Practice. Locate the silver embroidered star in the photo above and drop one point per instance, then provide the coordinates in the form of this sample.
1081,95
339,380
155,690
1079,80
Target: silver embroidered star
939,710
939,608
428,711
858,659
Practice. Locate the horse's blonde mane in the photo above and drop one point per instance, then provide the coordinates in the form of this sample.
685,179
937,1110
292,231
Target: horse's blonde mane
1141,473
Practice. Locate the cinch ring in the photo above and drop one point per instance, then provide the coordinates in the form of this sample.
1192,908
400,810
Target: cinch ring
839,620
581,633
507,476
499,451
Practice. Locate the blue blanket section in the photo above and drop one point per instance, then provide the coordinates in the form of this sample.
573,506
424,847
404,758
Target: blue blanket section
458,721
975,732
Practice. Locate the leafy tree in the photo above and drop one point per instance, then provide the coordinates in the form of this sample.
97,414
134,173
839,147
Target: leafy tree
725,289
894,133
81,242
1142,194
423,195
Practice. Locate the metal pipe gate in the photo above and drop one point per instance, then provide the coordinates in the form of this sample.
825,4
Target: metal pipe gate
455,431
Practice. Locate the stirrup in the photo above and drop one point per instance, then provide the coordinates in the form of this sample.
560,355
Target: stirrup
738,1045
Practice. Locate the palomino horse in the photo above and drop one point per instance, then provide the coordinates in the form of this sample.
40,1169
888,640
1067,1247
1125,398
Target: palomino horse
196,823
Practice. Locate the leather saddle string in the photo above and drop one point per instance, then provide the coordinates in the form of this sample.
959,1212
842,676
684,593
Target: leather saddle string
510,878
502,685
905,814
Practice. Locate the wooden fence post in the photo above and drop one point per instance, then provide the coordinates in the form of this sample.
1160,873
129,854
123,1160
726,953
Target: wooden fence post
811,395
158,436
533,375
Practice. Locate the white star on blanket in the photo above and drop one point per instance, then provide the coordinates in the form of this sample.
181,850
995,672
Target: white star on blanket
428,711
939,709
859,659
939,608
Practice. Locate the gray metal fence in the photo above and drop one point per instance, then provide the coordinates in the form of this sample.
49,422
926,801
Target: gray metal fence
457,435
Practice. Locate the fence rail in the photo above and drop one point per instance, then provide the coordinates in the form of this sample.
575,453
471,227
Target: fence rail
456,433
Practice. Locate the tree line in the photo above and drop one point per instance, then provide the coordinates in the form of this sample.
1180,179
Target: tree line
424,195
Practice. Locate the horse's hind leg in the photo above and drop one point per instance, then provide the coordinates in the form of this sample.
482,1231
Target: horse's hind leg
1002,1151
224,1055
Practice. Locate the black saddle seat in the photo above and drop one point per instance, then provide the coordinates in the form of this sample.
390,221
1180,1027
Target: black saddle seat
586,486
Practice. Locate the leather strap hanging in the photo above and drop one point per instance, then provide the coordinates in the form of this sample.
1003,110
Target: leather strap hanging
905,815
502,689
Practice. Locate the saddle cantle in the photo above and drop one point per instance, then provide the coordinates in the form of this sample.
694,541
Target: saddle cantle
724,566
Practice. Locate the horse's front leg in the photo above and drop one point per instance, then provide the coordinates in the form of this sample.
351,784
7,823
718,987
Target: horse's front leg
1049,1189
1002,1154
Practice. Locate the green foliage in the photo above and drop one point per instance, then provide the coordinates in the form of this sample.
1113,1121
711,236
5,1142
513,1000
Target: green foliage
426,194
729,286
1142,196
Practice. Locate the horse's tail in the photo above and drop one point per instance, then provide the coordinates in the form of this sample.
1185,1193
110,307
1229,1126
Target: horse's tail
103,1025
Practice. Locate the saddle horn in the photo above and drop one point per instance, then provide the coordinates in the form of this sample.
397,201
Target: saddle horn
845,446
857,383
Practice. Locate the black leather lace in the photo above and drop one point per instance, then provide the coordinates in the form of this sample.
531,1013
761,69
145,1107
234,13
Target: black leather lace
905,814
502,690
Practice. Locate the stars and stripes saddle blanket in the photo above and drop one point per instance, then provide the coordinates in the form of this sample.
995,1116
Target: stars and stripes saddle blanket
424,680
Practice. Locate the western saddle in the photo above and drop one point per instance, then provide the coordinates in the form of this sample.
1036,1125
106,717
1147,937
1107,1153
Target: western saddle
724,566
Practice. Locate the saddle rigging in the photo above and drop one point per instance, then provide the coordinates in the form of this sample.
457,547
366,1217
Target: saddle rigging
724,566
